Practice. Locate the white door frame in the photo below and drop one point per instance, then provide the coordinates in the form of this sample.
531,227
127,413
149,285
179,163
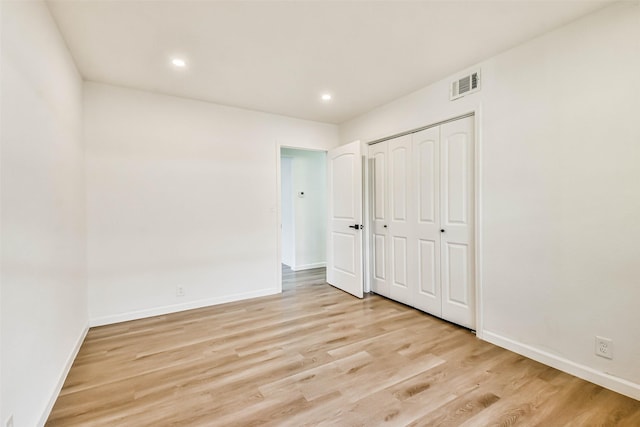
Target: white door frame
279,147
283,163
477,123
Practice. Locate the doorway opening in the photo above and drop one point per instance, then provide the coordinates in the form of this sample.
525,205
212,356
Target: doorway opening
303,232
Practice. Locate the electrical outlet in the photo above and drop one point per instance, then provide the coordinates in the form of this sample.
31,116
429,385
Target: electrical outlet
604,347
9,422
179,291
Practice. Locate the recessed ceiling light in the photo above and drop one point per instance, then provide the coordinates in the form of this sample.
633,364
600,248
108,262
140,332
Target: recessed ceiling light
326,97
179,62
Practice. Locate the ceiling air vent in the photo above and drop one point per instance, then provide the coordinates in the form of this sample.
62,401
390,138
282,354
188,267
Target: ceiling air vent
465,85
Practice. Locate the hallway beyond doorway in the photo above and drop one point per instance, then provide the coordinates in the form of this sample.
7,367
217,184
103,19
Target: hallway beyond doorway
291,279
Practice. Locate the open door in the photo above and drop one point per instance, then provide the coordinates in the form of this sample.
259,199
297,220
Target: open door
344,196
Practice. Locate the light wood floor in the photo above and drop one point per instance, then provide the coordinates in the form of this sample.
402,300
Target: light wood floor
316,356
292,279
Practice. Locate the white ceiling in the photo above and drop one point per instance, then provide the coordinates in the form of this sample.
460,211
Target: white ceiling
278,57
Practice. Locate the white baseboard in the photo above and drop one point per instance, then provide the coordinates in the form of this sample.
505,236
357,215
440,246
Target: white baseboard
63,376
603,379
174,308
308,266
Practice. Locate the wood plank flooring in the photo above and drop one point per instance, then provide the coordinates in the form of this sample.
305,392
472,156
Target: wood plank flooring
317,356
291,279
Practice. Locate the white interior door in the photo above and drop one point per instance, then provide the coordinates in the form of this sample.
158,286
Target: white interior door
379,213
344,243
400,219
457,217
426,169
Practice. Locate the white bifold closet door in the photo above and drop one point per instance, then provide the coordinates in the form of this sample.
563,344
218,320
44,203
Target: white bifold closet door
379,211
427,240
457,220
422,215
401,218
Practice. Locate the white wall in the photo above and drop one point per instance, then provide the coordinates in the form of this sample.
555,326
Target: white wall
181,192
560,202
44,300
310,211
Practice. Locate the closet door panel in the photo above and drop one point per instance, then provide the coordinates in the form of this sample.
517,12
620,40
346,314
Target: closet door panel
399,249
379,259
426,176
457,239
426,148
400,190
457,275
379,208
428,283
